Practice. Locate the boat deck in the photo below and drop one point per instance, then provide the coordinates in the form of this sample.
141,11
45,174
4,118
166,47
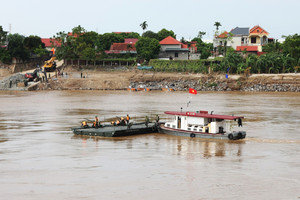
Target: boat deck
117,131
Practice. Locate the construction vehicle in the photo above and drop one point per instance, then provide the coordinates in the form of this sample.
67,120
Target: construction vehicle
50,65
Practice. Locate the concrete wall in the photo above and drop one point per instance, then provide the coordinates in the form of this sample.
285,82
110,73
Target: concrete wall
167,55
236,41
195,56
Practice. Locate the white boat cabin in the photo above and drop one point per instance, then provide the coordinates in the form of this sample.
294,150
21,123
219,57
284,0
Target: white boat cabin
201,121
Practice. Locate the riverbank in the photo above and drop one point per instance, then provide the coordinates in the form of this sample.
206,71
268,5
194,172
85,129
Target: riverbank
73,79
124,78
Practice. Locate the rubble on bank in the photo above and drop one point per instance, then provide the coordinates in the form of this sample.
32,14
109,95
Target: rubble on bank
208,84
15,82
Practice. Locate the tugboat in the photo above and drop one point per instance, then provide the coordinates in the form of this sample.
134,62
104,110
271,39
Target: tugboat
201,124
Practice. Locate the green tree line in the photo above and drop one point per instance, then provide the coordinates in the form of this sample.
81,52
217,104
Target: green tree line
19,46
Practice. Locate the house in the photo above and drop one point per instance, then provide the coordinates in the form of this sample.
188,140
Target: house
239,36
50,43
123,48
193,47
243,39
173,49
221,40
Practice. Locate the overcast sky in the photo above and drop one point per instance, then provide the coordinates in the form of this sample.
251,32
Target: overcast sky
185,17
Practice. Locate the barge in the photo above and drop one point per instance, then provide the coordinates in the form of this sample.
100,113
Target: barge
117,131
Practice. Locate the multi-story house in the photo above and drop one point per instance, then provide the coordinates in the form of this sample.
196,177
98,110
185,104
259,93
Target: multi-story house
243,39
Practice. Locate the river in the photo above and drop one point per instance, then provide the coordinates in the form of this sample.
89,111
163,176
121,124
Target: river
40,158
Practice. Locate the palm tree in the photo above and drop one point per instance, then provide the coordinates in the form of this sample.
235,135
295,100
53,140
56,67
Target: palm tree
144,25
217,24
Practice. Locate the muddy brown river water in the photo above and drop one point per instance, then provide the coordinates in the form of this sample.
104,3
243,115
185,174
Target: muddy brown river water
40,158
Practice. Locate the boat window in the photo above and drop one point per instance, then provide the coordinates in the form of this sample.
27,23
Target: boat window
189,129
168,125
173,126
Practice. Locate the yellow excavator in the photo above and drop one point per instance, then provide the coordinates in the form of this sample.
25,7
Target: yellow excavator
50,65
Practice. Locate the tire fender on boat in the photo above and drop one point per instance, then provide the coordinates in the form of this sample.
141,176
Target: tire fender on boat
230,136
192,135
153,128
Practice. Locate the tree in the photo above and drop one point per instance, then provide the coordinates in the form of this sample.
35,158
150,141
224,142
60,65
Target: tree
273,47
16,47
147,48
88,53
200,34
217,25
104,41
4,55
130,35
232,60
78,30
203,48
163,33
144,25
182,40
3,35
150,34
291,46
33,42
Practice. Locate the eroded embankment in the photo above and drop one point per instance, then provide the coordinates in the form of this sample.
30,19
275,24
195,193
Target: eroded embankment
116,79
121,80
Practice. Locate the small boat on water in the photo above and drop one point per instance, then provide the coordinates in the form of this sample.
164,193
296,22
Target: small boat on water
168,89
117,131
201,124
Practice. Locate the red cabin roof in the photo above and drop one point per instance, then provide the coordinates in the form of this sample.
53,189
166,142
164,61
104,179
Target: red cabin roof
203,114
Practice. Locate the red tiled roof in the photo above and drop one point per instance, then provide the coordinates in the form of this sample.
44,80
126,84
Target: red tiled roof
223,35
121,32
169,40
131,40
50,42
261,30
248,48
184,46
122,47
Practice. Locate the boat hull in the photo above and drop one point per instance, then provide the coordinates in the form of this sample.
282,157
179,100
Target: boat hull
231,136
116,131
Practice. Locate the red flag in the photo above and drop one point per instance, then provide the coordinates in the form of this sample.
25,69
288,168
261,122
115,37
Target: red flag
192,91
